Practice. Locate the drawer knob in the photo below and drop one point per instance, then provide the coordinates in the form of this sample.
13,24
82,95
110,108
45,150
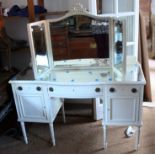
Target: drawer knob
97,90
51,89
134,90
38,88
112,90
20,88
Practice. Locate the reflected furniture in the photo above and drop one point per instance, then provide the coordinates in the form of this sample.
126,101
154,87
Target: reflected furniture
80,56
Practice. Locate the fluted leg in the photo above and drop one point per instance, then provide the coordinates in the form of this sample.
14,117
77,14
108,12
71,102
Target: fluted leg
63,113
105,143
24,132
52,133
137,145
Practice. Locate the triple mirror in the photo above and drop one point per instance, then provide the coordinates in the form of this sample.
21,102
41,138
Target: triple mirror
78,40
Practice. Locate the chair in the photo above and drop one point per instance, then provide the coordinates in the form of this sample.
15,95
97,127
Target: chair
7,46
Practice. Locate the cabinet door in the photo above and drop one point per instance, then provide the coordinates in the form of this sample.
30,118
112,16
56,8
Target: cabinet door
122,110
32,107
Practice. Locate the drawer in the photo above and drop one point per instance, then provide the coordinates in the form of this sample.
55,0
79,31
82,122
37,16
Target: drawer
29,89
59,42
84,43
60,53
122,90
83,53
58,37
75,91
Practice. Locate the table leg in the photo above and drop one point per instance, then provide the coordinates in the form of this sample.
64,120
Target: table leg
63,113
105,143
137,145
52,133
24,132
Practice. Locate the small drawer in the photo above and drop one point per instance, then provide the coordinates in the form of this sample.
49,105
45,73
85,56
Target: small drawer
122,90
60,53
59,43
26,88
75,91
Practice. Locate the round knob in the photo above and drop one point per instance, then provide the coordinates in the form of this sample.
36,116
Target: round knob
51,89
38,88
97,90
134,90
112,90
20,88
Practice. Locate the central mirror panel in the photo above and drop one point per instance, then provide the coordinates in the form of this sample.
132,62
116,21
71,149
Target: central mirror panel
80,37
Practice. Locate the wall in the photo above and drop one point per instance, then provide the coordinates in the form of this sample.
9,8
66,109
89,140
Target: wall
153,7
9,4
50,5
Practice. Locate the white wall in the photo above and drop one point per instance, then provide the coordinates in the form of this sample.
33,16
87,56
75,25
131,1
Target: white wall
153,7
9,4
50,5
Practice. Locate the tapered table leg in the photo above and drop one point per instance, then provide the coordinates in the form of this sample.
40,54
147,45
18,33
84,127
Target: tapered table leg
52,133
63,113
137,144
105,143
24,132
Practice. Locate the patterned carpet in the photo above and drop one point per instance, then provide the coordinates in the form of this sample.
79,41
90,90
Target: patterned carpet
81,134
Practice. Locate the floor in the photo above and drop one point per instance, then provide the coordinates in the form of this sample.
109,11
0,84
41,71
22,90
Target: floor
80,134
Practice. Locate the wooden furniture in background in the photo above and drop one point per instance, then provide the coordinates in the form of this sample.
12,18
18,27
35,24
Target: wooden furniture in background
60,43
31,11
145,8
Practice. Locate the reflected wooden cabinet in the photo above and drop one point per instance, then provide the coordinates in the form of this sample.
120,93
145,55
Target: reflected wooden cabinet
66,47
82,48
59,39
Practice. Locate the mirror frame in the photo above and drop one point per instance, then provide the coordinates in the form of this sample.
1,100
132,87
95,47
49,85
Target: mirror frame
123,65
48,41
32,48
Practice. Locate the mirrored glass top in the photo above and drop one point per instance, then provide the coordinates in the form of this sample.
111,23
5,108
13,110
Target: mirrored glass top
76,76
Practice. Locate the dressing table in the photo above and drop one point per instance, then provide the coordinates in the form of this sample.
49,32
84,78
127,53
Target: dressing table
80,56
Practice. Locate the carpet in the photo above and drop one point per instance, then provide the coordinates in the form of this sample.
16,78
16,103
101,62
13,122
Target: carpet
80,134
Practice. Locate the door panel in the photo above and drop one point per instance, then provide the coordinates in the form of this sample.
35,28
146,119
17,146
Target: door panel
32,107
122,109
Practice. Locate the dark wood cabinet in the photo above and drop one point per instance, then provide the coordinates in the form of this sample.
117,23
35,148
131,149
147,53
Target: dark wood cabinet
59,37
82,48
67,46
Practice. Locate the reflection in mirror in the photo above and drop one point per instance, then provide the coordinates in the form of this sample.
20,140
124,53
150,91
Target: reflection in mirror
80,37
38,33
118,42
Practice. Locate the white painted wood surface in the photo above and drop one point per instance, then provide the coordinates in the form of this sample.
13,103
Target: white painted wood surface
117,92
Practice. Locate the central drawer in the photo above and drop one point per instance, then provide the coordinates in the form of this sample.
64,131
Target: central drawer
75,91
